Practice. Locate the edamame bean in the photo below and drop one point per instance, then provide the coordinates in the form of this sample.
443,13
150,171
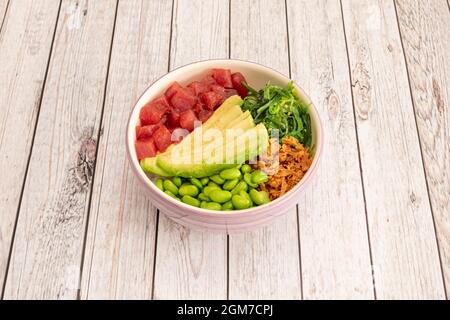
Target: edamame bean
230,184
170,194
217,179
259,176
213,184
240,186
211,206
244,194
230,174
197,183
246,168
177,181
259,197
220,196
248,179
204,181
208,189
160,184
188,190
170,186
227,206
191,201
240,202
203,197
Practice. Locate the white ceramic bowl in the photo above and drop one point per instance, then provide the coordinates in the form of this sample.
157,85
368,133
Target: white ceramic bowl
221,221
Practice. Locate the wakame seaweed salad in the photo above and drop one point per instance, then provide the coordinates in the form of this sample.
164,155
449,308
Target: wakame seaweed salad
280,108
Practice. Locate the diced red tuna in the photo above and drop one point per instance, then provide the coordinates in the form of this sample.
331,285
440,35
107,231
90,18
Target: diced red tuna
145,149
187,119
145,132
223,77
198,87
162,138
211,99
174,88
204,115
237,79
183,100
153,112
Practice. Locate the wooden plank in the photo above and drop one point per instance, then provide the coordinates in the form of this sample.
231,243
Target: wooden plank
192,264
334,245
121,237
404,251
47,251
425,31
263,264
3,8
25,42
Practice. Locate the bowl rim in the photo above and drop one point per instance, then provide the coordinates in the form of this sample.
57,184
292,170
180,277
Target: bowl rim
148,183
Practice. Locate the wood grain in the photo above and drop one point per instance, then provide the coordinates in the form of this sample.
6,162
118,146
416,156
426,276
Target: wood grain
404,250
3,8
25,42
47,251
334,245
263,264
191,264
425,30
122,221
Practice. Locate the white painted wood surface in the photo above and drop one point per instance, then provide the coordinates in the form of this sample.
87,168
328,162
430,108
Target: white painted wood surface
3,7
72,244
192,264
122,223
263,264
335,253
425,30
25,42
47,250
405,256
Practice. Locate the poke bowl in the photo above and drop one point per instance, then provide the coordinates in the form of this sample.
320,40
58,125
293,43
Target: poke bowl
224,145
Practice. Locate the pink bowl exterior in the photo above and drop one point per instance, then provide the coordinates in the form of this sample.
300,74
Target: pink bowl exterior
217,221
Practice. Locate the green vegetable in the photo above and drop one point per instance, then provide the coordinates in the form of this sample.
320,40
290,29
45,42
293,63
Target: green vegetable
248,179
177,181
217,179
230,184
240,186
213,184
220,196
197,183
227,206
160,184
190,201
244,194
246,168
170,186
189,190
280,109
259,177
240,202
208,189
170,194
230,174
204,181
211,206
259,197
203,197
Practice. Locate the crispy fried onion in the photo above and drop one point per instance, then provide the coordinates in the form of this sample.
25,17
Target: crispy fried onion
285,165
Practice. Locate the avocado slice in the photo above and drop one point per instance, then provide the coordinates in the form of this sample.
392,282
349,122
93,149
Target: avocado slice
228,116
150,165
186,168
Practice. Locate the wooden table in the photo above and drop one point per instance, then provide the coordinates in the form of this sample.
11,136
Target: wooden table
75,223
